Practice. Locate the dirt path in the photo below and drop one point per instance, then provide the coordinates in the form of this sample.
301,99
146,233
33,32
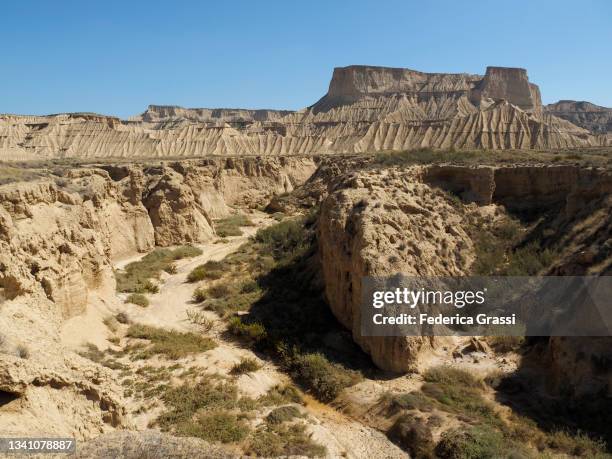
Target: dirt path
343,436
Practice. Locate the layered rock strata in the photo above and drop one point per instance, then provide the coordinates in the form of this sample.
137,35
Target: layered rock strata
365,109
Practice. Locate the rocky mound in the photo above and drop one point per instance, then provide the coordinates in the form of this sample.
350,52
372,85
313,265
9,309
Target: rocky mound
366,109
589,116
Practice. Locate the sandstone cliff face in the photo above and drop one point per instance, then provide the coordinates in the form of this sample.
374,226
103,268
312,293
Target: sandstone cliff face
55,251
366,109
380,223
58,238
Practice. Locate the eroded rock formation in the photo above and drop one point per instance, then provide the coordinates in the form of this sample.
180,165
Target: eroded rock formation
366,109
58,238
589,116
383,221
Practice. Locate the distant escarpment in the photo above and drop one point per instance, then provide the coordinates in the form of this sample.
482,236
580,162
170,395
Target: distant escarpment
589,116
365,109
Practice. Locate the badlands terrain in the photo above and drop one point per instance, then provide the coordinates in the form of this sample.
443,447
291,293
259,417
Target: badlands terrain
155,305
365,109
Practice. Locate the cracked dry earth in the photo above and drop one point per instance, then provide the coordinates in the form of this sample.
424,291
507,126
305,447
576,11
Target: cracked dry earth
342,435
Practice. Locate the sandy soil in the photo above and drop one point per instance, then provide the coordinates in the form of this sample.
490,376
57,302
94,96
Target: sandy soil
342,435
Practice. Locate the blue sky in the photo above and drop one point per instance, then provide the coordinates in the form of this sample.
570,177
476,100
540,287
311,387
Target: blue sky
116,57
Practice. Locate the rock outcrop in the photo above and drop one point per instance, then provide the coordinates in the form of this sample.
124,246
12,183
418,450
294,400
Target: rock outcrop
59,235
366,109
383,221
589,116
380,223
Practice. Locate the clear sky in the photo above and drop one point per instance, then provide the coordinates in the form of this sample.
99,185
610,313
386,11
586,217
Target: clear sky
116,57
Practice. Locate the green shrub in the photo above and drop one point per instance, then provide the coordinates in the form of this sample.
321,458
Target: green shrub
199,295
283,414
218,291
412,435
529,260
150,287
254,332
249,287
171,343
450,375
136,277
284,239
409,401
325,379
138,299
281,440
230,226
122,318
210,270
578,444
111,323
186,251
279,395
246,365
478,442
218,426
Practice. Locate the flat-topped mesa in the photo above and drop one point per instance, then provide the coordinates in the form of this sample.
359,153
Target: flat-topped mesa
362,80
511,84
354,82
161,113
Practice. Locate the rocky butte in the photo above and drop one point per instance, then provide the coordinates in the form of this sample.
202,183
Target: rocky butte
365,109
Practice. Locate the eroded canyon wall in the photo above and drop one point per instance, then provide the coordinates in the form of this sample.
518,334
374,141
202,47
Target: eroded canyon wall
389,220
59,237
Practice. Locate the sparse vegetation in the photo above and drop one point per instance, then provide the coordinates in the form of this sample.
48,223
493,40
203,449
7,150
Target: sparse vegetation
111,323
199,295
205,409
230,226
199,318
253,332
122,318
220,426
210,270
136,277
22,351
324,379
170,343
413,435
218,291
138,299
246,365
283,414
282,394
282,440
477,442
483,431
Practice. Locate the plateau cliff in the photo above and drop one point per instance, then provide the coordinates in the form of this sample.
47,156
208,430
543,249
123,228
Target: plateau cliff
366,109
